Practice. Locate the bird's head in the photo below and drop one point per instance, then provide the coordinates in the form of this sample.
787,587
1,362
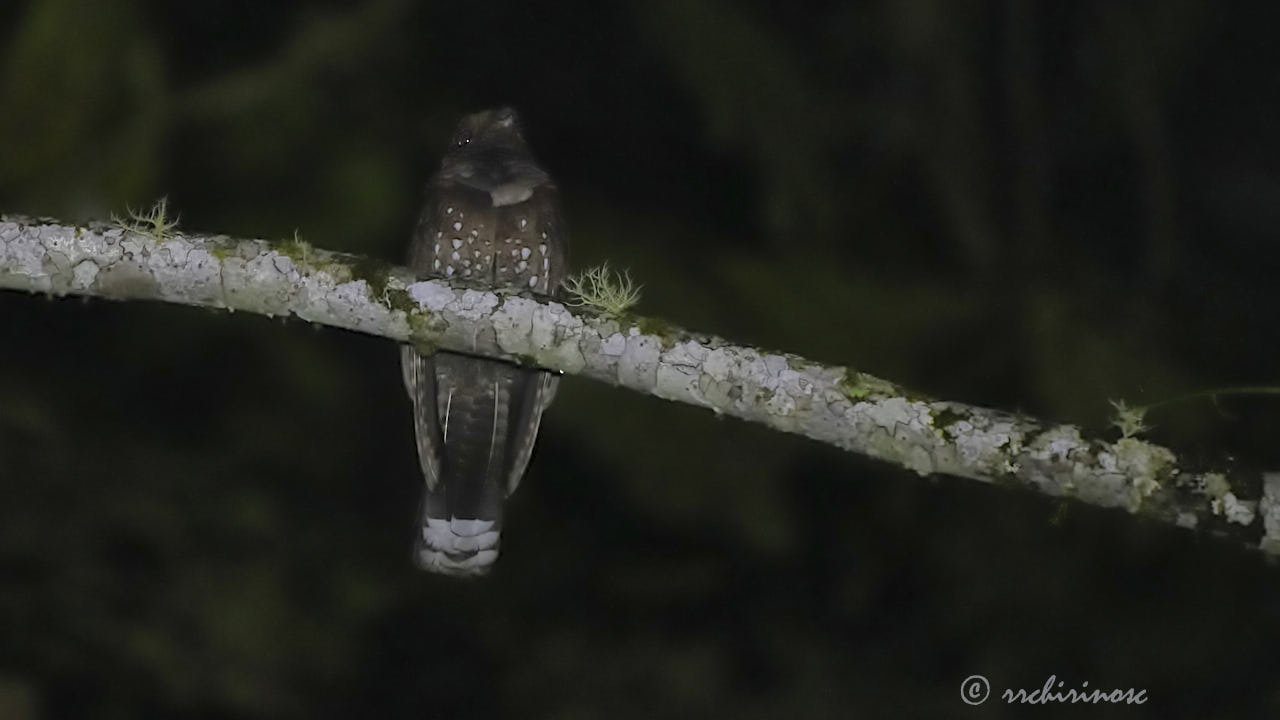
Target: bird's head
489,128
488,153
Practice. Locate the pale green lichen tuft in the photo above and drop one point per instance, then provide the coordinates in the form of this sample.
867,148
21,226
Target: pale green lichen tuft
1129,420
603,289
154,222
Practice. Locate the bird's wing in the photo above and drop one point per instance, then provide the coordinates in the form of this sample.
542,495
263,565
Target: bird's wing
534,399
420,382
418,370
552,259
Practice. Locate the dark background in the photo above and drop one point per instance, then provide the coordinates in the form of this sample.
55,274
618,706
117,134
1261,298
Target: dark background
1034,205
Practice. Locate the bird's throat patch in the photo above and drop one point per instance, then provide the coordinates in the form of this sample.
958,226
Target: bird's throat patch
510,194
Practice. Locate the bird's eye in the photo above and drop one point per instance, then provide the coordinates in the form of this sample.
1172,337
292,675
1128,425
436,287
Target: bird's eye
463,141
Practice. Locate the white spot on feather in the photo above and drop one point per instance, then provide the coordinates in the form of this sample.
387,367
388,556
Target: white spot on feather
457,243
457,226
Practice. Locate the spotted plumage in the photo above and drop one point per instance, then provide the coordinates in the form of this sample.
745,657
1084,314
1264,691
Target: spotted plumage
491,218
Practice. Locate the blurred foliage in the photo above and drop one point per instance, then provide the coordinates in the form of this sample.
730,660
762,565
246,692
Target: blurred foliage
1033,205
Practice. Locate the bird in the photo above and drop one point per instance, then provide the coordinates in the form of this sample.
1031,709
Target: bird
492,219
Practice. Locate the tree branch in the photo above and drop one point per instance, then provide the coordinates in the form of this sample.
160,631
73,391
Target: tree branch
832,404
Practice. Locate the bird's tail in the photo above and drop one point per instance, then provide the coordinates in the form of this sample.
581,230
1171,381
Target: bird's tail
457,547
477,403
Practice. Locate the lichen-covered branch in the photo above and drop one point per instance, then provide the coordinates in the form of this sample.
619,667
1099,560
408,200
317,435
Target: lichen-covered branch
829,403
